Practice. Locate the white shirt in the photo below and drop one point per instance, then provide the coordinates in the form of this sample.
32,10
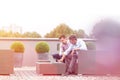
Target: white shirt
63,47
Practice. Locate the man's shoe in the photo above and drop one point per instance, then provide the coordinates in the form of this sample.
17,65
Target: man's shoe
66,74
74,73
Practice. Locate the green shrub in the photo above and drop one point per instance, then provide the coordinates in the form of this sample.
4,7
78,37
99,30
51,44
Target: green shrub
42,47
90,45
17,47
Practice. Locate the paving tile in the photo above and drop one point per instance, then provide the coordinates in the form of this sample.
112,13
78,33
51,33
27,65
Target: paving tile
29,73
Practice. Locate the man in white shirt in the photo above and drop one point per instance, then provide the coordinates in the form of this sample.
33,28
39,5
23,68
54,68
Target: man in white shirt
63,46
70,55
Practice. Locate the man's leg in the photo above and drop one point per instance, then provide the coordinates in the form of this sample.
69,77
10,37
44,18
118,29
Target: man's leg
72,64
56,56
67,62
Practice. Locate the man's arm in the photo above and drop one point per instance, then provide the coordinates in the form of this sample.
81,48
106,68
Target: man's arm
80,46
60,51
63,57
66,53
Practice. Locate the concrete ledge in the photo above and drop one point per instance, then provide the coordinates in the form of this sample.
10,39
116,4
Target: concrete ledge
98,63
49,68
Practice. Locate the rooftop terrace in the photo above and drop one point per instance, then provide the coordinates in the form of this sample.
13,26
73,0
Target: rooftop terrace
29,72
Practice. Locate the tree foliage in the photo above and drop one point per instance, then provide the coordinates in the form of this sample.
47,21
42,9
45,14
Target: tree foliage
80,33
4,33
31,35
65,29
60,29
55,33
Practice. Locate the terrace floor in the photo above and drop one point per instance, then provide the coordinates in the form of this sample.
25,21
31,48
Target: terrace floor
29,73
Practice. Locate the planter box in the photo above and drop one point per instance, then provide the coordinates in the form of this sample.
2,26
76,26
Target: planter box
49,68
18,59
6,62
98,62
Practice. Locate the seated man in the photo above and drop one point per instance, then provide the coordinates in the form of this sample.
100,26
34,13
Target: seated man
70,55
63,46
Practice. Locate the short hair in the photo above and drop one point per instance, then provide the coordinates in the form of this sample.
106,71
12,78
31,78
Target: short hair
62,36
73,37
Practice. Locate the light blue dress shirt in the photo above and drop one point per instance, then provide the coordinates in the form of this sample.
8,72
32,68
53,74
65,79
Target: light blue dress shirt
79,44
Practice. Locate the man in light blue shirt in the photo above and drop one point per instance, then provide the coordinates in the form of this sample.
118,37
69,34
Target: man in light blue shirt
70,55
76,45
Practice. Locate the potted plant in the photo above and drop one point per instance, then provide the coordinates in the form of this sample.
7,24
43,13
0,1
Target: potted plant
18,48
42,49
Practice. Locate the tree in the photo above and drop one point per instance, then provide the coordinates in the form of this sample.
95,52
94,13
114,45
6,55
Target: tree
17,35
31,35
4,33
60,29
35,35
80,33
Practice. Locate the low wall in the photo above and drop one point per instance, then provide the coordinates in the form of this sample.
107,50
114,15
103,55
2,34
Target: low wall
30,56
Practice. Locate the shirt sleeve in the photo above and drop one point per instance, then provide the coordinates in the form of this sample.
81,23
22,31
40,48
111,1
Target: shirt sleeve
68,50
60,51
83,45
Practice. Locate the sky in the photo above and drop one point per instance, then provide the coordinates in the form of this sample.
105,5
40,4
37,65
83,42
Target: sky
42,16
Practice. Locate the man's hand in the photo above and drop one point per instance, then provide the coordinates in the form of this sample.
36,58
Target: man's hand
63,57
60,60
76,49
73,51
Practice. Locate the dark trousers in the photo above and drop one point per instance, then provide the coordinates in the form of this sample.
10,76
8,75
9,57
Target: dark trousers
57,57
71,61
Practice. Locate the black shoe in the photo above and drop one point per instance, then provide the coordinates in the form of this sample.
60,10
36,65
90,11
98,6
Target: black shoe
66,74
56,60
74,73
